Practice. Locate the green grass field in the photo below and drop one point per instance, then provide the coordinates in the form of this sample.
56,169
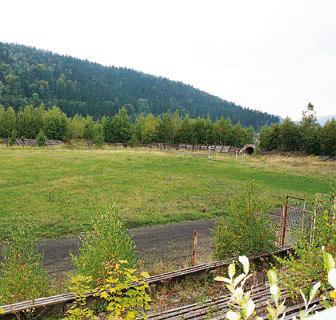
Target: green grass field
61,190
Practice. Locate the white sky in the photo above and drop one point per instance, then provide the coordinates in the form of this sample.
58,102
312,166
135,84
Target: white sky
271,55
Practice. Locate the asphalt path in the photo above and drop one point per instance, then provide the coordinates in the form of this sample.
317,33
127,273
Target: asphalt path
164,243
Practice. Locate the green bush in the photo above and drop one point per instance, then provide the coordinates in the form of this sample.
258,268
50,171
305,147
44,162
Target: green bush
328,138
22,274
79,287
55,124
242,306
244,228
41,139
124,300
12,137
107,241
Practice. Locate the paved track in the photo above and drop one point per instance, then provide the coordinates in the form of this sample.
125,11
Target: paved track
167,243
170,243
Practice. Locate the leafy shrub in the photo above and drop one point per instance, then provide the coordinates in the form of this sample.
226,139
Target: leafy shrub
242,306
22,274
330,267
55,124
79,286
12,137
125,301
328,138
307,263
244,228
41,139
107,241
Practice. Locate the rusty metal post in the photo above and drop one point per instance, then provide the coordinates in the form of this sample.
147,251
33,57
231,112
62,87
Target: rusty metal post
284,223
280,227
194,247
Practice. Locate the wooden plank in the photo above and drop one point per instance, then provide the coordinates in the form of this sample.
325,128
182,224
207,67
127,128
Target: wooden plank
197,306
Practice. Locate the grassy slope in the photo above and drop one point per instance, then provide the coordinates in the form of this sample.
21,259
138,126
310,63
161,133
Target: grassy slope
61,190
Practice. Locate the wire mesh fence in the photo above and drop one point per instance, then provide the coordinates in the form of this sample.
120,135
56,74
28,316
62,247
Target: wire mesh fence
301,217
176,252
295,215
169,247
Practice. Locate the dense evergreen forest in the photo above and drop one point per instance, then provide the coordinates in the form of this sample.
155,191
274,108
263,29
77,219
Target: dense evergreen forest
308,136
29,76
31,122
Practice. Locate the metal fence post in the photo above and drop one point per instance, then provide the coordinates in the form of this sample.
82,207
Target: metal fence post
280,226
284,222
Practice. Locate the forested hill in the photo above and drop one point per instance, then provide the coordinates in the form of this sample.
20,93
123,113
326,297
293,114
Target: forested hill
32,76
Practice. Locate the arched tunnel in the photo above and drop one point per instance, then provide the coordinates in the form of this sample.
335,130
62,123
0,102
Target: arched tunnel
248,149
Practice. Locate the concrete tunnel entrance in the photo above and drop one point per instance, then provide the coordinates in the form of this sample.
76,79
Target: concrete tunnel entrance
248,149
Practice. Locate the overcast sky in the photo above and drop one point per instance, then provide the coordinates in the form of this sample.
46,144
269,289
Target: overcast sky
271,55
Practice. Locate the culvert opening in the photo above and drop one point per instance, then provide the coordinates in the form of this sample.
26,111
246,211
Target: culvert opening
249,150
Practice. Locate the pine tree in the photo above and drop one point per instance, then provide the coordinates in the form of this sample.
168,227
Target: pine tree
133,141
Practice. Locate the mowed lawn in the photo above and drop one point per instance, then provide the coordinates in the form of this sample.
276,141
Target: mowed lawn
60,191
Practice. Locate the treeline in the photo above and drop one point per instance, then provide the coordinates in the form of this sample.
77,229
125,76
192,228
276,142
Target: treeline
307,136
32,76
30,122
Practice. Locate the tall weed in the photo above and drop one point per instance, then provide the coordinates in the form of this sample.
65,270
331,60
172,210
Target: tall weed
107,241
22,273
244,228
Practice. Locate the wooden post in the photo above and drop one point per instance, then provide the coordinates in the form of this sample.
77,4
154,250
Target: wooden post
194,248
284,222
209,153
236,155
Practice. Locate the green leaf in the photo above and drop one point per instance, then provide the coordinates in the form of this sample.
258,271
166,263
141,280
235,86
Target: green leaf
314,290
245,262
329,261
232,270
220,279
272,277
